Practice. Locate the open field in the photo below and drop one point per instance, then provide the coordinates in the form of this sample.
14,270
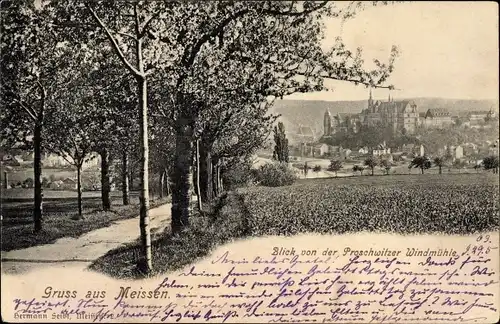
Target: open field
452,204
461,203
24,194
19,174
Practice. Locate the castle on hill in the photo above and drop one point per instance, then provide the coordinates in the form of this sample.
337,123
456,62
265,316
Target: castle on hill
401,116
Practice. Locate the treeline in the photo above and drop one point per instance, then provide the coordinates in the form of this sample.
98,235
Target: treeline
371,137
185,88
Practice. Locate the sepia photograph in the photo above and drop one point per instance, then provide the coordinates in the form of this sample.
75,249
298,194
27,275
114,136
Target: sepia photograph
249,161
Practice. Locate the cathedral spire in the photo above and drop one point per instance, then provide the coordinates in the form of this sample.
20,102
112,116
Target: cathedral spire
370,100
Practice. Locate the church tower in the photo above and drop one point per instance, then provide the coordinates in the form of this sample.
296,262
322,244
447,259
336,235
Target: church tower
370,101
327,123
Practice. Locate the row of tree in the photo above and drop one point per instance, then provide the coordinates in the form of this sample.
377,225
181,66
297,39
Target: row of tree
420,162
185,87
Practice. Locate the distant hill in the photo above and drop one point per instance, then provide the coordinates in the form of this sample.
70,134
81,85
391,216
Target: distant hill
310,112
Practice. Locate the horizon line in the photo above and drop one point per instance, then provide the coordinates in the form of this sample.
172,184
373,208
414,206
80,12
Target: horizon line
402,98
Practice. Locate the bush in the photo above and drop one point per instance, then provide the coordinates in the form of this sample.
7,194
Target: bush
317,168
238,175
28,183
275,175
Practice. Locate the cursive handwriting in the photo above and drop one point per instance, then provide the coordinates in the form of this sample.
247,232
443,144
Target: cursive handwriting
364,286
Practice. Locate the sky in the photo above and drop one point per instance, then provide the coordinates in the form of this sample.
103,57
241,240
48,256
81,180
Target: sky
447,49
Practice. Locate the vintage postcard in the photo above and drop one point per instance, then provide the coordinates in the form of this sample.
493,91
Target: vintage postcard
249,161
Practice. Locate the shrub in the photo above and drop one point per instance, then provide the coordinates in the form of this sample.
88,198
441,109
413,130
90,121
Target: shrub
317,168
238,175
275,175
28,183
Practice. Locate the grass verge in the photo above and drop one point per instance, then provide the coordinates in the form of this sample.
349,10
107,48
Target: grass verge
59,222
223,222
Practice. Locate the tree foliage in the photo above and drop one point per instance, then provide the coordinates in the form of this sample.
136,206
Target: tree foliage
439,162
371,162
335,166
491,163
280,152
421,162
358,168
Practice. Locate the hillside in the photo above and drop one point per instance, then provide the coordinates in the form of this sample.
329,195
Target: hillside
310,112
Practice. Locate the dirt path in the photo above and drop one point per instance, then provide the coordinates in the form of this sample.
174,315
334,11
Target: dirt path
81,251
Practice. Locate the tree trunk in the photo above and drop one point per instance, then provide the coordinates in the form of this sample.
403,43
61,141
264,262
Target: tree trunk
422,169
373,169
440,171
37,169
79,189
125,176
206,173
198,191
105,185
131,177
167,182
221,184
218,179
144,173
180,178
5,180
214,182
162,183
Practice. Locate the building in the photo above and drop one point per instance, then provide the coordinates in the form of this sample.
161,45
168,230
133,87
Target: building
54,161
412,149
305,134
482,116
69,184
437,117
470,149
454,152
337,123
401,116
321,149
363,150
345,153
419,150
381,151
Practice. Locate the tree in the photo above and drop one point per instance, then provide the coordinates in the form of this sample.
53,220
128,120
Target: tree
232,37
69,134
236,124
386,165
491,163
280,152
439,162
421,162
358,168
281,41
335,166
371,162
33,65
